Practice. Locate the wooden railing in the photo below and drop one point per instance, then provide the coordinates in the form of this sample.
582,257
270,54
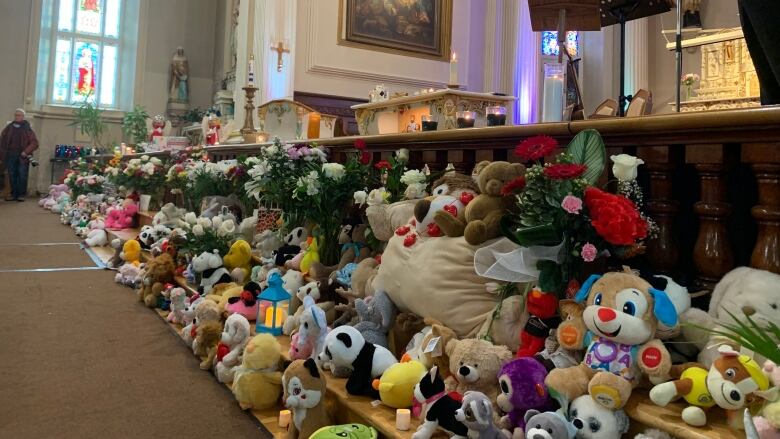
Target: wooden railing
711,180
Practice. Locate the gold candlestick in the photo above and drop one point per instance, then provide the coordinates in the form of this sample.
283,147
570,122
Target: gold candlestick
249,108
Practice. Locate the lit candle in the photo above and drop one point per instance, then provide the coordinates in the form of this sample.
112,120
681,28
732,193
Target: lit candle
552,107
269,317
313,131
284,418
403,419
454,69
250,76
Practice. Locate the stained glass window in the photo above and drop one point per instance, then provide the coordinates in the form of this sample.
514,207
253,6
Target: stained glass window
86,59
550,43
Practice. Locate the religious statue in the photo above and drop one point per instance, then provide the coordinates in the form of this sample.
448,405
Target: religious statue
158,124
180,70
412,125
212,134
692,13
234,36
86,83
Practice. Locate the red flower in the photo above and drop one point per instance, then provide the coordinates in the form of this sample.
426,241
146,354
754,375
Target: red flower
615,218
360,144
382,164
365,157
513,186
534,148
564,171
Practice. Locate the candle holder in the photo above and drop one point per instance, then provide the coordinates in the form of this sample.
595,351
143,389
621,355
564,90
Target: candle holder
554,93
466,118
429,123
496,116
249,107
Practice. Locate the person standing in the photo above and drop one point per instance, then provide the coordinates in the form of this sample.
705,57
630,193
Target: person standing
17,143
759,25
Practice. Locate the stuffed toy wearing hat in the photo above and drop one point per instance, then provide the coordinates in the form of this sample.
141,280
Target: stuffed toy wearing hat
304,394
621,315
257,384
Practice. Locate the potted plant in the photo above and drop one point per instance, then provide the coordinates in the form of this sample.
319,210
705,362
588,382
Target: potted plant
134,126
89,119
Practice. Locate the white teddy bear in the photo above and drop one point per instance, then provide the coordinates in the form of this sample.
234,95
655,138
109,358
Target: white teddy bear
236,335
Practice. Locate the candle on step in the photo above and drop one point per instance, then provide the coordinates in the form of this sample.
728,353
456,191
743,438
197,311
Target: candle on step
454,69
269,317
284,418
403,419
250,76
552,107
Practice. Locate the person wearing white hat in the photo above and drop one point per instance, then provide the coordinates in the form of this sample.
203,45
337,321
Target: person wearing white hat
17,143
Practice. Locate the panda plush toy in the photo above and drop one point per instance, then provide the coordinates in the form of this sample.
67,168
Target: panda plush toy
291,245
211,270
346,347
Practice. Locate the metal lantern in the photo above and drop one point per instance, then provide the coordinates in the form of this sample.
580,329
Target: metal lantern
273,306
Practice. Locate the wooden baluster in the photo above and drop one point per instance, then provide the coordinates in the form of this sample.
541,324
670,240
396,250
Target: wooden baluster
662,252
712,255
765,162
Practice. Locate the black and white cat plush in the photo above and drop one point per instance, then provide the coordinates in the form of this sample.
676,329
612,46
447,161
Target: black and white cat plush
209,267
346,347
440,408
291,245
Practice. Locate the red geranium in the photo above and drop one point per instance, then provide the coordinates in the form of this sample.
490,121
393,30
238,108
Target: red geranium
382,164
615,218
564,171
513,186
534,148
365,157
360,144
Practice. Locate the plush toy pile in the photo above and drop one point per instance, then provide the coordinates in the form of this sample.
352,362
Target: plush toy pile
409,312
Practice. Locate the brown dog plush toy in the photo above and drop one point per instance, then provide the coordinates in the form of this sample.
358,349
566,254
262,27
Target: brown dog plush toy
304,393
621,315
479,221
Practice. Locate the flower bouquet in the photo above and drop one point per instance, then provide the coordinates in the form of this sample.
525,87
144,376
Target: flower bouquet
144,175
558,205
688,80
206,234
394,176
84,177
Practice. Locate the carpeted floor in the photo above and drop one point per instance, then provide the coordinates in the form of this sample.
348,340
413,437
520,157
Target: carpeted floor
82,359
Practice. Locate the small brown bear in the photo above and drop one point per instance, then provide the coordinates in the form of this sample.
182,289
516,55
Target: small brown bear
479,221
159,271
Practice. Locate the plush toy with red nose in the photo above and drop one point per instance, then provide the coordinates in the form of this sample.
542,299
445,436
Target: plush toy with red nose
622,313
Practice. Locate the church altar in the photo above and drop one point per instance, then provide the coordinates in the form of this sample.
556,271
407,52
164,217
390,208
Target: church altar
288,119
394,115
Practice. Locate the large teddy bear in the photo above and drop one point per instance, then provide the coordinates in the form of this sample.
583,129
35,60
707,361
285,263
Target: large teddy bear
744,291
621,315
474,365
479,221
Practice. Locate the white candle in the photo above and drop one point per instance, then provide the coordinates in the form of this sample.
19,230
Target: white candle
403,419
284,418
552,106
454,69
250,77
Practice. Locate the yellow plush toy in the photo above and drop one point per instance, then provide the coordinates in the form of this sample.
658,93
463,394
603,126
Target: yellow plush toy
131,252
257,383
312,255
239,256
396,385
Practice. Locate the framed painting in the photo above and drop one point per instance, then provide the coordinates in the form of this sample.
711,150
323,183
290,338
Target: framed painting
420,28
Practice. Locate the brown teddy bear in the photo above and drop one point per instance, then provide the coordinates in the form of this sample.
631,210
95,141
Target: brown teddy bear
479,221
474,365
159,271
209,336
456,189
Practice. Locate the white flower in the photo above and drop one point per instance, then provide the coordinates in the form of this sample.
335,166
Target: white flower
197,230
360,197
402,155
144,158
334,171
148,168
415,191
156,161
413,176
378,197
216,222
227,228
191,218
204,222
625,166
450,167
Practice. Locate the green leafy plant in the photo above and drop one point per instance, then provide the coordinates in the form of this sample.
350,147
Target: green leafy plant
763,340
134,125
194,116
89,119
587,148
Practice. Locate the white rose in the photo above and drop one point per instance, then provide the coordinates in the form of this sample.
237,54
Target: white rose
334,171
413,176
625,166
360,197
415,191
145,158
402,155
216,222
378,197
197,230
204,222
227,228
191,218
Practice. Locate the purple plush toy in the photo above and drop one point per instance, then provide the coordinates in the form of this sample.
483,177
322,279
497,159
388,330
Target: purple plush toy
522,389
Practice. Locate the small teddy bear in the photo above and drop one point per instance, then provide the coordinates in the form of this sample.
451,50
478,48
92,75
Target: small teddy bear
159,272
474,365
206,342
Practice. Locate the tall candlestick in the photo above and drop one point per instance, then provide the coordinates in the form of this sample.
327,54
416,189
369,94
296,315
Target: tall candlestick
552,107
250,76
454,69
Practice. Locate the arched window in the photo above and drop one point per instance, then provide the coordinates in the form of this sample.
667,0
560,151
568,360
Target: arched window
88,52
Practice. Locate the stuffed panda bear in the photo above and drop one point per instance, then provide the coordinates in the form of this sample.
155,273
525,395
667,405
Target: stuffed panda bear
291,245
346,347
211,270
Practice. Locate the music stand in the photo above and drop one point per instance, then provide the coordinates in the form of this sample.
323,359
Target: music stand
620,12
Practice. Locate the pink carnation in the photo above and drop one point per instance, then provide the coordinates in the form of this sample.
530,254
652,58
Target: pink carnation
571,204
589,252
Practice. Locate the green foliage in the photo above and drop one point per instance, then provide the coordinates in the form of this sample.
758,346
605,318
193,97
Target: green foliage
763,340
134,125
89,119
209,241
587,148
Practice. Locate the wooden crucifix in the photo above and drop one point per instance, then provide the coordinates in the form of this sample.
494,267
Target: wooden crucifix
280,50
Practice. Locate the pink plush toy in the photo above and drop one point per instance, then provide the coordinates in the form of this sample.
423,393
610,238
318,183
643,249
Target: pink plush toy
246,303
55,192
300,351
121,218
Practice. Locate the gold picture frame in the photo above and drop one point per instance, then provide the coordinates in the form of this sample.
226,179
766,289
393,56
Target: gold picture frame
424,36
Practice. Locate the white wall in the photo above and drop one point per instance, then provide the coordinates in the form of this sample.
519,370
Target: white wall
323,66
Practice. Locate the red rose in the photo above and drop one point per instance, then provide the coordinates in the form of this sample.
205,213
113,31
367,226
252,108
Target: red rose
360,144
615,218
564,171
534,148
365,157
382,164
513,186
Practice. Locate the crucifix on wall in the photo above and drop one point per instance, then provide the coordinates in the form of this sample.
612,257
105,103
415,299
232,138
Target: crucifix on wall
280,50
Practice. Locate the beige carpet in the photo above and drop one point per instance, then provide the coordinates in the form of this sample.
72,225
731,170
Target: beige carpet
82,359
